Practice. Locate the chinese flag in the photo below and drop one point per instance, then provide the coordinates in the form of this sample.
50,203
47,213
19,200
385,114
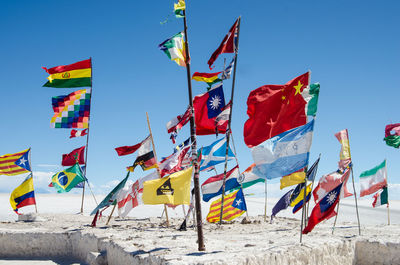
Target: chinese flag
76,155
274,109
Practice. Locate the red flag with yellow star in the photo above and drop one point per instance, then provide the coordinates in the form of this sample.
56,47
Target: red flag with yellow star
274,109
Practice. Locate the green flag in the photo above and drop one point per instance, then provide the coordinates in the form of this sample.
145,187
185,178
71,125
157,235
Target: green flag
65,180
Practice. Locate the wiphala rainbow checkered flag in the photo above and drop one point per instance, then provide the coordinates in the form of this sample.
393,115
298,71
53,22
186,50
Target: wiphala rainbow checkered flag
71,111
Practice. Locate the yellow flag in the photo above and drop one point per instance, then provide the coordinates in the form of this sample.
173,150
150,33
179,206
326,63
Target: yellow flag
293,179
300,197
174,189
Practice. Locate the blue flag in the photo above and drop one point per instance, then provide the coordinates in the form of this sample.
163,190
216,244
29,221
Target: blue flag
282,204
214,154
215,101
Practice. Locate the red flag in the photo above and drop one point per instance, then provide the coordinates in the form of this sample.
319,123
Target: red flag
174,125
126,150
274,109
228,44
205,125
77,155
76,133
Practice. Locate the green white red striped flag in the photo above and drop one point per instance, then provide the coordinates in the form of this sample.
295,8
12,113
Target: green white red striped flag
373,180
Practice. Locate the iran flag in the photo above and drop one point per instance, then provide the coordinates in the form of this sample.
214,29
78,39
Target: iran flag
373,180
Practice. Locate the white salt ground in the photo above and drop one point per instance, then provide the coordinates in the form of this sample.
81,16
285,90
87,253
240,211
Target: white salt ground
142,238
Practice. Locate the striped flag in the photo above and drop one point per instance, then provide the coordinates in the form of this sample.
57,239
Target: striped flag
373,180
234,206
15,164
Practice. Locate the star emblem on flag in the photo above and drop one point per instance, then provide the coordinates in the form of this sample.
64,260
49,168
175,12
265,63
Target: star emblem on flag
238,202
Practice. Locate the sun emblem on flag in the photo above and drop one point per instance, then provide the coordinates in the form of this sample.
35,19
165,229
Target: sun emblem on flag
215,102
331,197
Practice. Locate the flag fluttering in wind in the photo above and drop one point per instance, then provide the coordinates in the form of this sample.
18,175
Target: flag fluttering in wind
176,124
67,179
175,161
174,48
345,156
381,198
392,139
173,189
23,195
222,120
179,8
234,206
373,180
311,97
71,111
274,109
285,153
214,154
228,44
15,164
282,204
226,74
127,150
293,179
297,198
76,156
212,187
73,75
323,209
76,133
145,157
209,78
329,182
249,178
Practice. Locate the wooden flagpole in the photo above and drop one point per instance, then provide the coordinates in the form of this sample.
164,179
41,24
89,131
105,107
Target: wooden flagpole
109,218
355,198
155,157
199,222
337,213
228,129
88,132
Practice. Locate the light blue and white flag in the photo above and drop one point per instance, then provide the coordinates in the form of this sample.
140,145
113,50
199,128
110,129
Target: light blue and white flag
285,153
226,74
215,154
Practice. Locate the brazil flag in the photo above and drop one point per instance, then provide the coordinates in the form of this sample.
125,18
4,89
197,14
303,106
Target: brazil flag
65,180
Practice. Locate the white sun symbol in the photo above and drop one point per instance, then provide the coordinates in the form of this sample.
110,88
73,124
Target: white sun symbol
331,197
215,102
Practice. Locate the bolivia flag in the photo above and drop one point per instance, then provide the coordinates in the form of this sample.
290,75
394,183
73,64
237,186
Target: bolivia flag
65,180
209,78
74,75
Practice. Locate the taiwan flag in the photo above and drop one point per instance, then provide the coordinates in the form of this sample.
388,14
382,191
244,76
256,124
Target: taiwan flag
206,108
324,208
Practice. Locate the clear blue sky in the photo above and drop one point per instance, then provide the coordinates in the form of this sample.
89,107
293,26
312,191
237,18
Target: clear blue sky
351,47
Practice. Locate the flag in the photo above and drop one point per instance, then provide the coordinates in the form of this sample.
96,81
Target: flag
65,180
173,163
175,125
209,78
345,156
15,164
127,150
392,139
222,120
179,8
206,108
311,97
76,133
228,45
293,179
328,182
297,202
71,111
323,209
226,74
215,154
145,157
73,75
373,180
274,109
285,153
23,195
182,145
111,197
76,156
174,48
312,171
249,178
282,204
131,195
380,198
212,187
234,206
174,189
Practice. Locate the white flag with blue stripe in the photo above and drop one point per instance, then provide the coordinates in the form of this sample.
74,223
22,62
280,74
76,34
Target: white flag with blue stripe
285,153
215,154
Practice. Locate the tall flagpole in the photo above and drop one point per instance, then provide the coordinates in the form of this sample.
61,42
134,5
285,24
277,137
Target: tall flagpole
155,157
29,161
88,132
228,129
387,188
199,222
355,198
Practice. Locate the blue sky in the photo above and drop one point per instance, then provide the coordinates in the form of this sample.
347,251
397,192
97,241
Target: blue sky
351,47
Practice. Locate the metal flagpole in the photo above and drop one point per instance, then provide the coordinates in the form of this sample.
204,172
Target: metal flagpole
312,187
355,198
88,132
337,212
158,169
228,129
265,201
29,161
199,222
